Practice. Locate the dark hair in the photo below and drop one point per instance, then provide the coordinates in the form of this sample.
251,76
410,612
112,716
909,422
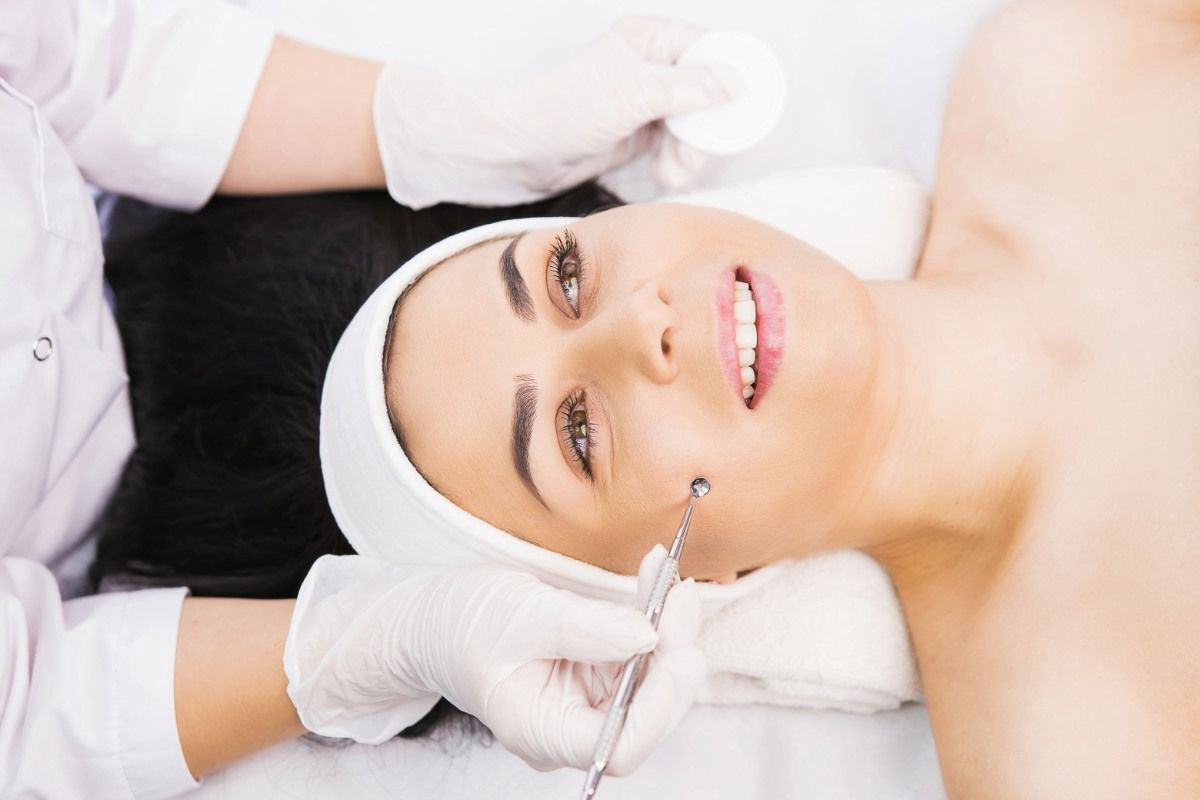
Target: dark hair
229,317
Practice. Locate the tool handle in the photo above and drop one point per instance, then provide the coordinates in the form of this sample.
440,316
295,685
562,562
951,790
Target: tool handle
592,783
668,573
614,720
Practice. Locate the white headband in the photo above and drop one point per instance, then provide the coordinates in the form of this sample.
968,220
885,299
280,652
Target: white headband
383,505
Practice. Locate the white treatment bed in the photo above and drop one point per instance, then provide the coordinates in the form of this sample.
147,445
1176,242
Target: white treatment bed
867,82
729,752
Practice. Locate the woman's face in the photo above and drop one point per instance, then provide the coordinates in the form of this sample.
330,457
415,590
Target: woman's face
567,385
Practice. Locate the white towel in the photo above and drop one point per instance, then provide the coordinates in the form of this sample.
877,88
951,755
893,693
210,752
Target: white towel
871,219
826,632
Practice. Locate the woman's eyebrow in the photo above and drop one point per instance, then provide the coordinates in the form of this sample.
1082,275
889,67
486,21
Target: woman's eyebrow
514,285
524,412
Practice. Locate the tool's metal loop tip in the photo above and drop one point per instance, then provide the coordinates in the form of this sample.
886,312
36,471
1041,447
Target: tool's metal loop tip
700,487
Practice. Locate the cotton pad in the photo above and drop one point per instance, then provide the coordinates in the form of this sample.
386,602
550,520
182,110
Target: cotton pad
759,94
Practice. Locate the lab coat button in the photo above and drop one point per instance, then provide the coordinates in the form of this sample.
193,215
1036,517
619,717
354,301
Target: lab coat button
42,348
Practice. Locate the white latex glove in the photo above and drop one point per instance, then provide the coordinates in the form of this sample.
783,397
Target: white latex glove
371,647
444,139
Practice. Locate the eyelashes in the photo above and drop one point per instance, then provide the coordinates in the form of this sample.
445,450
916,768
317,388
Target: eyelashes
577,430
567,271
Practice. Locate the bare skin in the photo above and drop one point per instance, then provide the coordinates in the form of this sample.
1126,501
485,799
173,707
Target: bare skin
1060,650
310,127
230,691
1013,435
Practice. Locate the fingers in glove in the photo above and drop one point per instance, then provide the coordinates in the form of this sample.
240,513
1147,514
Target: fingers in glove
657,39
676,165
578,730
578,628
628,148
680,90
534,714
568,733
679,624
648,572
672,681
633,145
597,682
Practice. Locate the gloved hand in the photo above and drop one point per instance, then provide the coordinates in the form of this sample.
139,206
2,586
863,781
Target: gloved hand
506,142
372,645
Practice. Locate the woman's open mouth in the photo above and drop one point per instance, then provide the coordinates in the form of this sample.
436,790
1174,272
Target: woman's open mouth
751,332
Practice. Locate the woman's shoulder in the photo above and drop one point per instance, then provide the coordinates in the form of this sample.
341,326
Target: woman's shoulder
1063,110
1038,76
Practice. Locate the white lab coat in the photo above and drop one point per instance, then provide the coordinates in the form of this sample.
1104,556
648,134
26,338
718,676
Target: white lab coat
144,97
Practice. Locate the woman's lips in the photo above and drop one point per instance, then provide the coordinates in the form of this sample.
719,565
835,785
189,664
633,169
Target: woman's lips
771,331
769,327
726,347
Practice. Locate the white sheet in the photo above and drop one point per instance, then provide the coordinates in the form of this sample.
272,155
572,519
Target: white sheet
717,752
867,81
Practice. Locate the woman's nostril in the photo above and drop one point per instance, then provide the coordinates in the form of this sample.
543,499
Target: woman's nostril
666,346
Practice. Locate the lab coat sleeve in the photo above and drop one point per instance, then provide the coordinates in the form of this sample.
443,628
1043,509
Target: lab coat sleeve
148,95
88,707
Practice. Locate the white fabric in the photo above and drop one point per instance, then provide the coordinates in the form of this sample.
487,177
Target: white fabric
147,95
826,633
750,752
387,510
87,684
871,219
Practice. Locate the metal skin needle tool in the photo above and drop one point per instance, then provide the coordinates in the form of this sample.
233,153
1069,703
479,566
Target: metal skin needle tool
668,573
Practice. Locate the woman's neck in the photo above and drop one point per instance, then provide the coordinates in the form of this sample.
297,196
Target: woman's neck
948,470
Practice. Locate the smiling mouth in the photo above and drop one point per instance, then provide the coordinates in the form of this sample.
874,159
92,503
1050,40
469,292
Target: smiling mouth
751,332
745,335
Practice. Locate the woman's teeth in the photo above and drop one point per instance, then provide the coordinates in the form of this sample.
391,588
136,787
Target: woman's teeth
745,334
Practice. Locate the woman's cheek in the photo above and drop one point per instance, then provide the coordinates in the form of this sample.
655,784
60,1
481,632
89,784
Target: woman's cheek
712,544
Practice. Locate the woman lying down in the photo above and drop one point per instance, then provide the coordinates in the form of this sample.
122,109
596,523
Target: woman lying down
1012,434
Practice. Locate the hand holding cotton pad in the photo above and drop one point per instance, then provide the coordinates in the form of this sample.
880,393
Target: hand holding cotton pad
758,97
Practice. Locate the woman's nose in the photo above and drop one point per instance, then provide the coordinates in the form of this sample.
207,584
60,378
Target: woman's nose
637,333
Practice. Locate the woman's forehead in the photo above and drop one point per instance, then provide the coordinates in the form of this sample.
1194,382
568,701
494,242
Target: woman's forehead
455,350
448,325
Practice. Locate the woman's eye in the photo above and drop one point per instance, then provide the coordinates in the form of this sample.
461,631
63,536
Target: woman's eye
577,431
568,279
566,271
